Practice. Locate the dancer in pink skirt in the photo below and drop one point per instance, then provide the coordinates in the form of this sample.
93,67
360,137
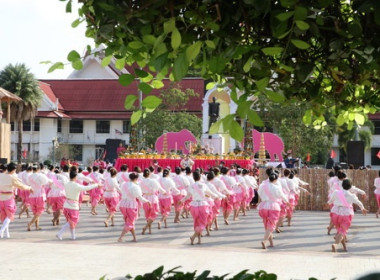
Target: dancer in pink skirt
150,188
229,201
269,208
71,206
165,200
57,196
377,194
241,194
37,199
198,206
8,181
24,194
182,183
213,203
342,212
111,196
96,194
128,205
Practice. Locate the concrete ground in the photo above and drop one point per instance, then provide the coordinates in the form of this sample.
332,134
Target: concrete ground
301,251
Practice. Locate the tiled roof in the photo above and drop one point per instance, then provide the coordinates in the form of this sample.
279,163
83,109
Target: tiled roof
52,114
46,88
108,95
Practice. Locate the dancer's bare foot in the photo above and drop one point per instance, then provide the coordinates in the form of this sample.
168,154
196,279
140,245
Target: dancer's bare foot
105,223
226,222
159,225
143,231
329,230
271,242
333,248
28,227
278,230
134,240
192,240
120,240
344,245
263,246
53,221
377,215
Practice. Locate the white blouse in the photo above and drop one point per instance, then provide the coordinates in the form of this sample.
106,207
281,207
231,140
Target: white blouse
111,187
168,185
377,186
271,196
130,191
339,207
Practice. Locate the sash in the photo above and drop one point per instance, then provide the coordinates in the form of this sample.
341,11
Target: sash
268,193
57,183
343,199
93,177
198,190
124,177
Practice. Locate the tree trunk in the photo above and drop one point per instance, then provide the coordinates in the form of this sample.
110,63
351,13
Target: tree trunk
19,144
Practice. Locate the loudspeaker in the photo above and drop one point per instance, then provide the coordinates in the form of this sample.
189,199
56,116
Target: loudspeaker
355,153
111,148
3,160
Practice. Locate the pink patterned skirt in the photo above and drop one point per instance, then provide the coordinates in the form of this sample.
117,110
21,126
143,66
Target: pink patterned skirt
228,203
284,210
57,202
151,211
37,204
200,215
165,206
7,209
378,199
111,203
24,195
341,223
216,207
130,217
270,218
178,206
251,195
72,216
238,200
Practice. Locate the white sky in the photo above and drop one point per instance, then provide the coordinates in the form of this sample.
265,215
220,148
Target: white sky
32,31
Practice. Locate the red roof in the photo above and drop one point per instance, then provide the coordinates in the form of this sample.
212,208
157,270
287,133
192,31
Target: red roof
49,93
52,114
375,116
85,98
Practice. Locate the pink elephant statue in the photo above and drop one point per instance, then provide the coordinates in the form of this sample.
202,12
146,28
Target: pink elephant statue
273,144
182,140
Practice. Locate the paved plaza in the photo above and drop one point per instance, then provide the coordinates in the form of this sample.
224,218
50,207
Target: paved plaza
301,251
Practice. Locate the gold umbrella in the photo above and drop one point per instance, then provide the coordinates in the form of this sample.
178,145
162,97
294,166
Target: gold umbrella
8,97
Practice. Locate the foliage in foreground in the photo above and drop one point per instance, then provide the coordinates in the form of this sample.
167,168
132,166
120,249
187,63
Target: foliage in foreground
174,274
324,52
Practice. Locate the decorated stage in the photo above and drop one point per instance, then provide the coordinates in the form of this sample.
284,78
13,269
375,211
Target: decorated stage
173,163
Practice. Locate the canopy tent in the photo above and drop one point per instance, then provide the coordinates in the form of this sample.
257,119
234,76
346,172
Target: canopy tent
6,96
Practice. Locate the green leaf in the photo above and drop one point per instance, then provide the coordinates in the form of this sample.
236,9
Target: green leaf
262,83
324,3
160,62
254,118
68,7
157,84
145,88
302,25
169,25
275,96
340,120
236,131
76,22
129,101
286,68
359,118
72,56
215,127
176,39
135,45
300,44
77,64
210,85
227,121
307,117
287,3
285,16
272,51
120,63
217,64
149,39
57,65
106,61
141,73
193,50
300,13
151,102
247,66
126,79
243,108
136,117
181,66
210,44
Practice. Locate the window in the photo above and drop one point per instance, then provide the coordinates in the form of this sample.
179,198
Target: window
26,126
36,125
77,152
99,151
127,126
12,126
76,126
59,125
374,158
376,124
102,126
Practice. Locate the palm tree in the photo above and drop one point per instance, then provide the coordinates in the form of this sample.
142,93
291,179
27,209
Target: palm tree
19,80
